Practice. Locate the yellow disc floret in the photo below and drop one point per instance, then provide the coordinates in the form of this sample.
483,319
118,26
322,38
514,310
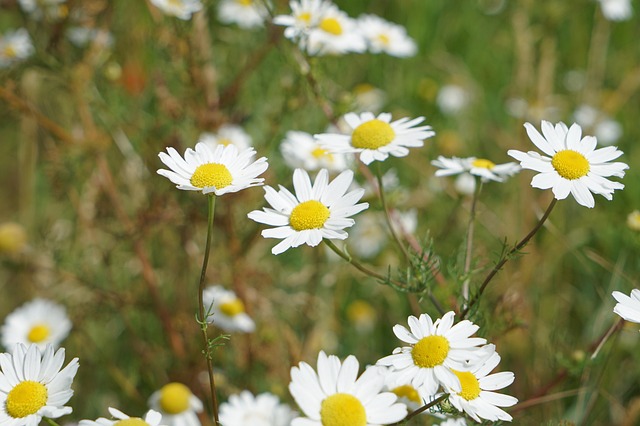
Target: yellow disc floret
409,392
310,214
245,2
174,398
211,174
132,421
570,164
469,383
430,351
342,409
232,308
26,398
331,25
320,153
384,39
372,135
38,333
482,163
305,17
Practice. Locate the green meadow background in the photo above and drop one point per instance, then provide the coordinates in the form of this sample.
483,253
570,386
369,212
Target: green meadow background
121,248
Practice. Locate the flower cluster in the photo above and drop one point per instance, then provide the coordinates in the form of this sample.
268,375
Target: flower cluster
15,46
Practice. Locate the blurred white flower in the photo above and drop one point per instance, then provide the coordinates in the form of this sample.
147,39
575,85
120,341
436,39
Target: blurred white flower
452,99
483,168
305,15
82,36
246,409
49,9
368,235
605,129
15,46
386,37
226,310
302,150
465,184
246,14
368,98
616,10
633,220
182,9
151,418
335,34
227,134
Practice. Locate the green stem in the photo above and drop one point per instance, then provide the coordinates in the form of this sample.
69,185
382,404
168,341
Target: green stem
51,421
422,409
202,315
505,258
469,249
388,216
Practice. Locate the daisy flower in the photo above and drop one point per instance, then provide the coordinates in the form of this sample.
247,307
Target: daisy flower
476,397
261,410
386,37
435,350
305,14
39,322
573,164
452,99
315,212
226,310
413,398
15,46
246,14
182,9
177,405
483,168
616,10
375,138
33,386
302,150
633,222
227,134
218,171
335,396
152,418
628,307
335,34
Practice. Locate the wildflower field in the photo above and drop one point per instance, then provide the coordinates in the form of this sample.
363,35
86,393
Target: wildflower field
317,213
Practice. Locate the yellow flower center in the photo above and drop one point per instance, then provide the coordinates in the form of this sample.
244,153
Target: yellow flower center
384,39
372,135
132,421
311,214
174,398
342,409
305,17
13,238
232,307
409,392
331,25
570,164
211,174
26,398
225,142
38,333
10,52
245,2
430,351
470,385
482,163
320,153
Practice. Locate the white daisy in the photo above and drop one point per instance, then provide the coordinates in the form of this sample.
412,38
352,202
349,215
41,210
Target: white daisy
315,212
152,418
226,310
465,184
305,14
336,396
33,386
335,34
246,14
628,307
227,134
476,397
481,167
386,37
435,349
616,10
177,405
15,46
633,221
302,150
574,165
182,9
261,410
375,138
40,322
452,99
218,171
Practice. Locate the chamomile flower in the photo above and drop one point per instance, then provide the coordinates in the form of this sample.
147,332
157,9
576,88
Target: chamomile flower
177,405
33,385
302,150
15,46
481,167
476,397
315,212
413,398
260,410
305,14
573,166
152,418
336,396
616,10
335,34
246,14
452,99
226,310
39,322
375,138
228,134
434,350
182,9
628,307
386,37
219,171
